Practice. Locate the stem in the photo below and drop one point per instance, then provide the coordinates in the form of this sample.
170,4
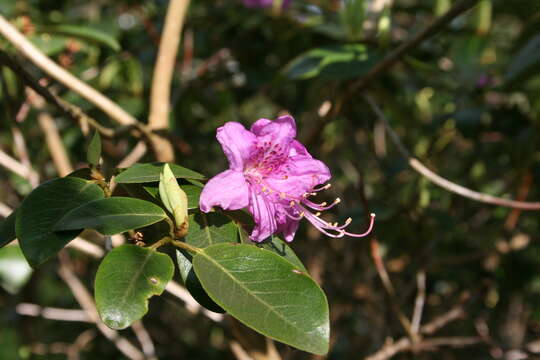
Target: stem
169,240
439,180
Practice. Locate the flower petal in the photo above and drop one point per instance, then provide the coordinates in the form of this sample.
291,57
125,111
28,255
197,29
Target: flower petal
299,175
228,190
238,144
263,212
288,229
283,126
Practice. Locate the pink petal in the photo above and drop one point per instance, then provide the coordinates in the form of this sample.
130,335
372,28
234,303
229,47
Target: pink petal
264,215
299,175
227,190
238,144
288,229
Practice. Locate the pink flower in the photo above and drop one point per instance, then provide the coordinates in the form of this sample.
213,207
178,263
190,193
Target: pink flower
274,176
265,3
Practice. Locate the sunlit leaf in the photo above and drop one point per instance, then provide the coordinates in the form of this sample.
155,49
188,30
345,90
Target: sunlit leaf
144,173
267,293
43,208
112,215
127,277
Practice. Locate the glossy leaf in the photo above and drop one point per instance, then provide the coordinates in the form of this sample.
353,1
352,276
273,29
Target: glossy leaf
85,33
174,198
144,173
335,62
280,247
209,229
42,208
94,149
7,230
14,269
127,277
193,194
112,215
192,283
267,293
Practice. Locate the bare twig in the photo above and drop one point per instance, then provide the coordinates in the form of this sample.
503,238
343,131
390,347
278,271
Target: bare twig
389,287
419,302
145,340
66,108
160,96
405,344
432,29
52,313
25,47
22,153
15,166
135,155
55,145
439,180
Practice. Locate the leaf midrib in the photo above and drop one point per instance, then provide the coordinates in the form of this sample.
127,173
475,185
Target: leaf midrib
257,298
135,278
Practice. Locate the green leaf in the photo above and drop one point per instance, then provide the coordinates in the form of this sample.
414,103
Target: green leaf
7,230
42,208
84,33
94,149
352,17
174,198
14,270
192,283
143,173
193,194
280,247
127,277
112,215
267,293
209,229
334,62
526,62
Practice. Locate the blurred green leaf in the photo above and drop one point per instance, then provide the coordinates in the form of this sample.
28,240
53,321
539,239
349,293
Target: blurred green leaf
267,293
126,278
144,173
7,229
94,149
334,62
43,208
14,269
525,63
84,33
111,215
352,17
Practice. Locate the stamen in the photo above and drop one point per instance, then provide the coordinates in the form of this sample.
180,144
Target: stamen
371,223
324,187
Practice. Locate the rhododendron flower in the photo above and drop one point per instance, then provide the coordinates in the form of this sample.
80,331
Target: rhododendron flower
274,176
266,3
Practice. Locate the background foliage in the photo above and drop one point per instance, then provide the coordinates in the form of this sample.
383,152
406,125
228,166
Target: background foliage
465,102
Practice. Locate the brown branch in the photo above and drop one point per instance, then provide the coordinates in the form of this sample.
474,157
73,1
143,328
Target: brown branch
419,301
405,344
160,96
66,108
429,31
390,290
32,53
439,180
